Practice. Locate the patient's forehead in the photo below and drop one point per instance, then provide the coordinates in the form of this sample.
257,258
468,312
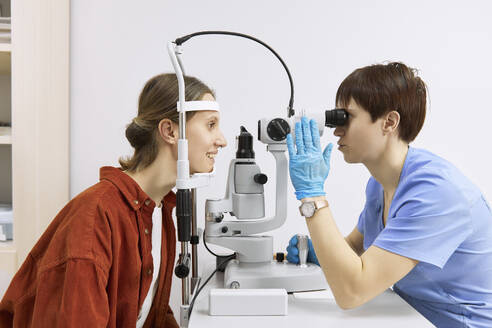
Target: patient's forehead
208,97
207,115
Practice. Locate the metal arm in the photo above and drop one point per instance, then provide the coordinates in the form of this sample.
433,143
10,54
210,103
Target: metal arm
214,208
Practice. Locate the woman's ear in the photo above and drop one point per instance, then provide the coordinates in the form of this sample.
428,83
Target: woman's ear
168,131
391,122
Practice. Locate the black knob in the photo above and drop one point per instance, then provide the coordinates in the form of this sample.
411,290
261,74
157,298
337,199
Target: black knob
279,257
278,129
181,271
219,218
225,229
260,178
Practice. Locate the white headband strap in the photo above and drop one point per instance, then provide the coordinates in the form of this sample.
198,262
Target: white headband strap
196,105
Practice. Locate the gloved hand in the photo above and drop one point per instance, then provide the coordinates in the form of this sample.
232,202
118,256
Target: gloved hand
308,167
293,252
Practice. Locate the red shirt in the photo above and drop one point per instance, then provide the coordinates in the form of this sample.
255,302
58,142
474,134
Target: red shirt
93,265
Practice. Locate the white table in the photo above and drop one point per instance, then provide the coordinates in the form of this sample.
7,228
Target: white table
386,310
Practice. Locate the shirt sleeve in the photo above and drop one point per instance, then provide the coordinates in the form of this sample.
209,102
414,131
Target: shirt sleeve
360,223
72,294
431,219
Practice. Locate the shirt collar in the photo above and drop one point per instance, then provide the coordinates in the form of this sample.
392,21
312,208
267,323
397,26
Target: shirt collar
408,160
132,192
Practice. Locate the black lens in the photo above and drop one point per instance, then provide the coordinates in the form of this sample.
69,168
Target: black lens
245,144
336,117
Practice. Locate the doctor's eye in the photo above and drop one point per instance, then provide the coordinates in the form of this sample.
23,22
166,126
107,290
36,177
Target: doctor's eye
211,125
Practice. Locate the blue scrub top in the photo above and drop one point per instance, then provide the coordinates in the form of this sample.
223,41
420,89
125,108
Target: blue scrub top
438,217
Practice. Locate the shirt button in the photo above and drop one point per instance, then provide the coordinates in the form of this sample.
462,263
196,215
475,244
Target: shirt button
147,202
149,272
135,202
146,231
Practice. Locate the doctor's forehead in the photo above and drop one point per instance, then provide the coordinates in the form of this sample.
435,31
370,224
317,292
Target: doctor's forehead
348,108
353,106
346,104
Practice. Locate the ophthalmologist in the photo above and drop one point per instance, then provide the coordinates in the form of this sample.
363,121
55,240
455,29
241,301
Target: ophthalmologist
425,228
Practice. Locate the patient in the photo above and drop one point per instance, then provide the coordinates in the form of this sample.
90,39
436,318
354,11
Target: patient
106,260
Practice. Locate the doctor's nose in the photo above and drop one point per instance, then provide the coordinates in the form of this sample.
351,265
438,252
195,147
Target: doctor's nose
339,131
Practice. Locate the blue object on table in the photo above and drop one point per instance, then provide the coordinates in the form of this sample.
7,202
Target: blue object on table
293,252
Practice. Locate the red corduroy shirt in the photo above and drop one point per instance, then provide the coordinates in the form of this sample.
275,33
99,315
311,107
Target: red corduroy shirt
93,265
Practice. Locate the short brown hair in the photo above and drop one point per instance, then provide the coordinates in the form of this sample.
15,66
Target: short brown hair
380,89
157,101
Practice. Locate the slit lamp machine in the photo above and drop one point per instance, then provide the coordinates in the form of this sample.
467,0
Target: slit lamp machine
251,266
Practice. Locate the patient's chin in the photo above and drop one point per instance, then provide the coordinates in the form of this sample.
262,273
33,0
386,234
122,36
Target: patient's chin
204,170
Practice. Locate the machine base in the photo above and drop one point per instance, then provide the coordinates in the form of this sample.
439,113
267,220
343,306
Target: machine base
291,277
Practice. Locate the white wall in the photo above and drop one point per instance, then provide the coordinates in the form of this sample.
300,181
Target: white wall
117,45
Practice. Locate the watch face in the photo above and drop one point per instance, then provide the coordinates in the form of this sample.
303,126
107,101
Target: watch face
308,209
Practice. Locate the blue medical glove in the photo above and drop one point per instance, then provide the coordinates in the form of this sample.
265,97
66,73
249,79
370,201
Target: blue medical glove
308,166
293,252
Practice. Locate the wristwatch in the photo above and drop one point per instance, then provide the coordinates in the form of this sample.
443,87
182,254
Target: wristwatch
308,209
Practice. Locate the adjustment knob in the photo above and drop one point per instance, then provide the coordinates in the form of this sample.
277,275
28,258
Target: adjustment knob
278,129
260,178
279,257
181,271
